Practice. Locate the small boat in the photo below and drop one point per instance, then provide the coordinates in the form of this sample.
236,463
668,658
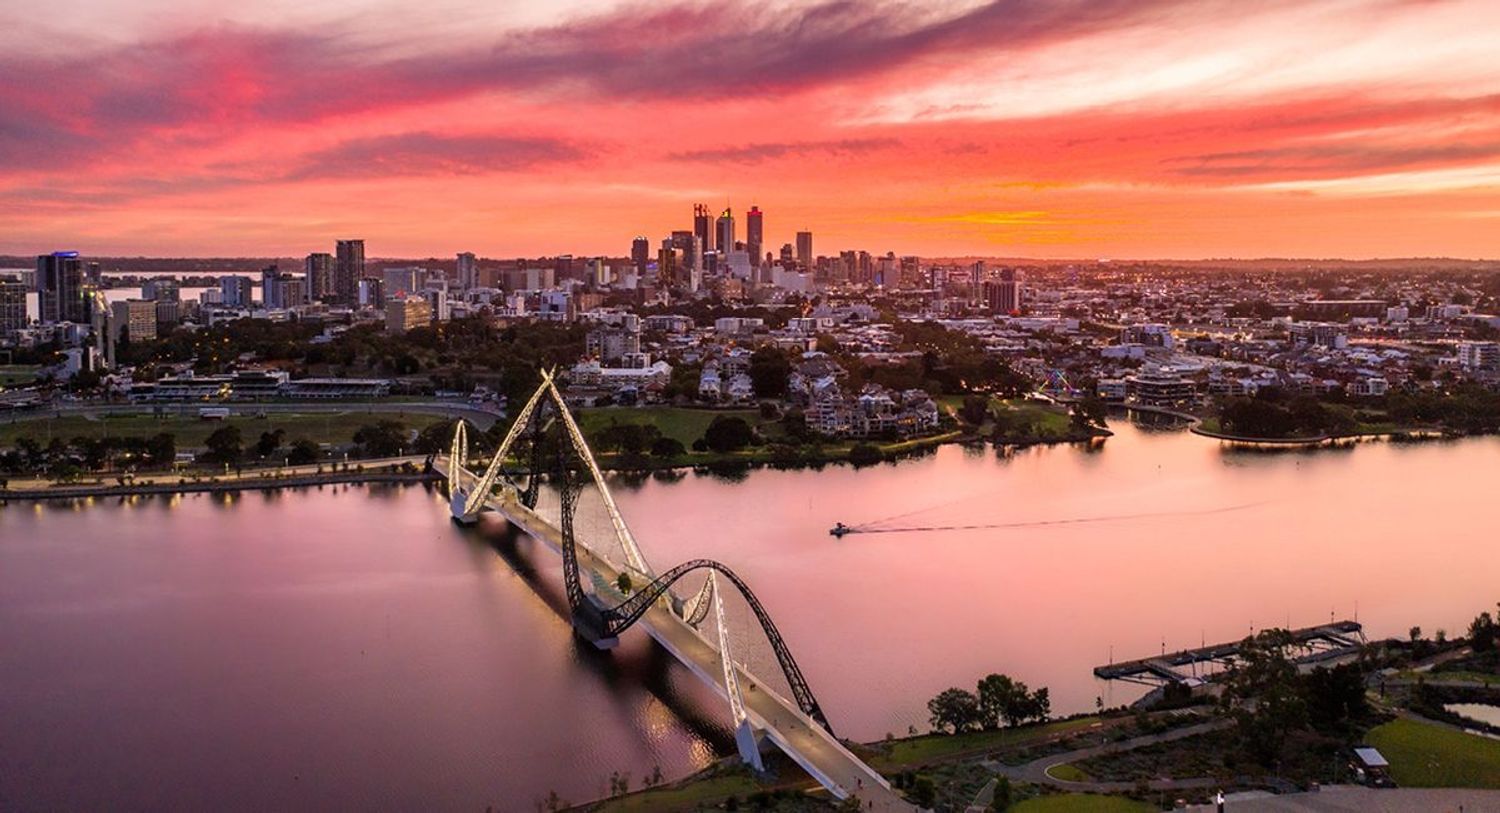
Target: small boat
839,529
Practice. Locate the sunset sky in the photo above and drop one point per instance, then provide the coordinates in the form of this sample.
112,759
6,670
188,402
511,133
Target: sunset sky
1097,128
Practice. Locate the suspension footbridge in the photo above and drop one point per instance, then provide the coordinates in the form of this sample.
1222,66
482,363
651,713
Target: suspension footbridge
611,588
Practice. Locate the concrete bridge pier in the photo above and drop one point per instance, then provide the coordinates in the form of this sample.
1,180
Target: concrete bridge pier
458,504
748,741
588,622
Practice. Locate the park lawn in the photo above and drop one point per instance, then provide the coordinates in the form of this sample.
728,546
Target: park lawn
192,431
1424,755
1081,803
1046,420
690,795
1068,772
17,375
683,423
930,747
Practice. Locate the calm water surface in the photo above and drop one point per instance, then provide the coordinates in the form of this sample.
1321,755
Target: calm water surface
350,647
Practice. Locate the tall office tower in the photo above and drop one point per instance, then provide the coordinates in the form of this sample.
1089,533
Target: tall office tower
666,265
703,226
468,271
348,270
977,273
865,268
59,286
689,249
885,275
236,291
724,233
93,274
788,256
804,250
755,234
319,269
12,306
640,254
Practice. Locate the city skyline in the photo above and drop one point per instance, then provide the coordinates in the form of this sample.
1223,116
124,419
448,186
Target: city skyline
1141,130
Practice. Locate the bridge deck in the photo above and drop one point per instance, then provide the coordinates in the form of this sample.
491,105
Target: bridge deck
782,722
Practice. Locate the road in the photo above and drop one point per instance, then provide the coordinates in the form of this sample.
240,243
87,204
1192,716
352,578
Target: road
782,722
1356,799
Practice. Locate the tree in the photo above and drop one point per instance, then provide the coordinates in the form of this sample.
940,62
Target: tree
666,448
269,442
1263,694
224,445
303,452
975,409
1482,633
728,434
954,709
380,439
769,368
865,454
161,449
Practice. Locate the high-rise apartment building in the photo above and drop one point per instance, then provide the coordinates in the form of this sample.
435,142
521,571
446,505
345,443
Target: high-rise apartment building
236,290
136,319
59,286
12,306
1003,295
468,271
319,270
348,270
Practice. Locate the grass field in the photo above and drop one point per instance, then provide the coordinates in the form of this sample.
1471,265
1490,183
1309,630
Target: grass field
686,425
691,796
16,375
191,431
1068,773
921,750
1423,755
1081,803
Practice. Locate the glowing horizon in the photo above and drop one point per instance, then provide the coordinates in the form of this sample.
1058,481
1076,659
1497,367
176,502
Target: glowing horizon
1068,129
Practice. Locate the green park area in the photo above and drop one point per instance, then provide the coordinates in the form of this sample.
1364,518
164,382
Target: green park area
1081,803
18,375
927,748
1424,755
191,431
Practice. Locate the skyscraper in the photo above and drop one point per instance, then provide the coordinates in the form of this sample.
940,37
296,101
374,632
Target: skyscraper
755,234
468,271
236,291
348,269
804,249
640,254
319,268
703,227
724,235
59,285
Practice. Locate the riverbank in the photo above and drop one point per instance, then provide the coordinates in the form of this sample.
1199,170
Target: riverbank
390,470
1408,434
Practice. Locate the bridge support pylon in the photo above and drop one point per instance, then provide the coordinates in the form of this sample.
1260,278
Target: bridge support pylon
458,506
589,623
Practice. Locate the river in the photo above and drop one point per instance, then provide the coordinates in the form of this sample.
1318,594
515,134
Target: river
351,647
